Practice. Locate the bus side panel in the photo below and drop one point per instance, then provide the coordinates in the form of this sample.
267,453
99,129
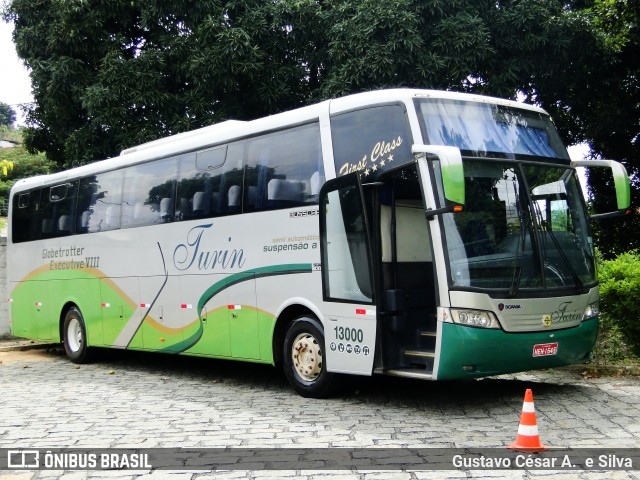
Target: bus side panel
243,318
162,324
86,295
213,317
37,304
121,316
23,322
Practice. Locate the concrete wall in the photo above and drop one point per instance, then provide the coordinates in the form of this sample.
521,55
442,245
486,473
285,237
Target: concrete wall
4,306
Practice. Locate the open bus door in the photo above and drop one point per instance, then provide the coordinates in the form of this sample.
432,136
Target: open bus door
347,277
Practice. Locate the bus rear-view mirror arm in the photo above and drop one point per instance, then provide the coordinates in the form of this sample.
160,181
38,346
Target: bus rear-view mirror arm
452,172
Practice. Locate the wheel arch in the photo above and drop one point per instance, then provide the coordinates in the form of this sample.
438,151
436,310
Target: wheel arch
288,312
68,305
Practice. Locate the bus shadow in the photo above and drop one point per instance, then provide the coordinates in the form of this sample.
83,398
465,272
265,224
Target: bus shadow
376,390
454,394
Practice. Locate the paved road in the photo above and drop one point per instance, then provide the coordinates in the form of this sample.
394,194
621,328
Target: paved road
135,400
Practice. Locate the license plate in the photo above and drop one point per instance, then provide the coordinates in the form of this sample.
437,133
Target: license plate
545,349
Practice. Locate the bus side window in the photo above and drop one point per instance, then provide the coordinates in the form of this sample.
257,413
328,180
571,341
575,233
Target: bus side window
99,202
203,188
371,140
58,210
25,216
280,168
228,181
149,193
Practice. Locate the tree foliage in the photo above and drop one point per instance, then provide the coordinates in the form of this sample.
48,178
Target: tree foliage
24,164
108,74
619,290
596,99
7,115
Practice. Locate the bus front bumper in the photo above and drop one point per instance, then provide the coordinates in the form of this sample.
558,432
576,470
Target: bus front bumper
468,352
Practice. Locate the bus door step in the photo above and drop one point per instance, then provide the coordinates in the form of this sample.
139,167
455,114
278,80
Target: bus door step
420,359
419,353
416,373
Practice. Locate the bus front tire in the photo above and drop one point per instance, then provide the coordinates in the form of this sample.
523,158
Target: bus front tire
75,336
303,359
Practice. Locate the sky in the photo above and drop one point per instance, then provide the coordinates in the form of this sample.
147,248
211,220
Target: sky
15,86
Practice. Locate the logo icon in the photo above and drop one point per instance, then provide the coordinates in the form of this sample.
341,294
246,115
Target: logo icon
23,459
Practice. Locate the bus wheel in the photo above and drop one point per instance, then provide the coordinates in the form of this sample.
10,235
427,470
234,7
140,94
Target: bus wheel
303,357
75,336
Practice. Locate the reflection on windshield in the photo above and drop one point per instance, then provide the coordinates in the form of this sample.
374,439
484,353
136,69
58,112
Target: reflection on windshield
511,239
482,129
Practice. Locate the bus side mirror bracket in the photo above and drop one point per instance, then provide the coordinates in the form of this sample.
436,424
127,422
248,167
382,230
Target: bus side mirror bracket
452,172
621,183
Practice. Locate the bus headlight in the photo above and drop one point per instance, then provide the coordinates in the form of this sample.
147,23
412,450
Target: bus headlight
592,310
474,318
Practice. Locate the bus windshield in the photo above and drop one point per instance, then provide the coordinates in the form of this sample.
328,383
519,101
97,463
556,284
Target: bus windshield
483,129
524,227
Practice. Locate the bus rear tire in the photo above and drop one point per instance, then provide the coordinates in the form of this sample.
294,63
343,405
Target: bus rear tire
75,336
303,359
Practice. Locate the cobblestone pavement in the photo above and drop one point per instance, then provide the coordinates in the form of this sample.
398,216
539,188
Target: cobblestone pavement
136,400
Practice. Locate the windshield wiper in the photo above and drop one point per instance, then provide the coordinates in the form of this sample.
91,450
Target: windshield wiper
517,272
576,279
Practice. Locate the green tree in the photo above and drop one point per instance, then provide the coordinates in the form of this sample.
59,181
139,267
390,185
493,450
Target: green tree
109,74
7,115
25,165
613,124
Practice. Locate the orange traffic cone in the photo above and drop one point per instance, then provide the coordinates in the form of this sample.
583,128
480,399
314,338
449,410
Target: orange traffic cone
528,440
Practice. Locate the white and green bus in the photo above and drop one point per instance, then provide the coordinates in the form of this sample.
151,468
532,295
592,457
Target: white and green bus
416,233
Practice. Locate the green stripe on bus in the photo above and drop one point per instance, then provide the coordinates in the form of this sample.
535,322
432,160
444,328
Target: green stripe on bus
216,288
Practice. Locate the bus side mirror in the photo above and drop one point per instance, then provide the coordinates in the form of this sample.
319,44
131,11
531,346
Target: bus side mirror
621,183
451,168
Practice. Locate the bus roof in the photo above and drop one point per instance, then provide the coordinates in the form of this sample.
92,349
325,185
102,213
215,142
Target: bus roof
234,129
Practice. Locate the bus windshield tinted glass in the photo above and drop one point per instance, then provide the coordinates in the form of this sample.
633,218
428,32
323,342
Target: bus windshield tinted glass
481,129
511,239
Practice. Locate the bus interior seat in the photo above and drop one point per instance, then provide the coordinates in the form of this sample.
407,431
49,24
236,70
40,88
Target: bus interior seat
83,221
284,193
64,225
112,217
138,213
166,209
198,207
234,198
316,182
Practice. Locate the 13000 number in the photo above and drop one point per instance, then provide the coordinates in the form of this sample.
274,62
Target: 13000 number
349,334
